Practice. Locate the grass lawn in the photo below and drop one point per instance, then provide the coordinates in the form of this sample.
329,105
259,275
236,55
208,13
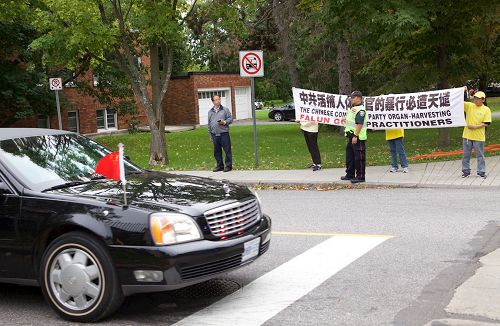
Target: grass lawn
493,103
262,114
282,147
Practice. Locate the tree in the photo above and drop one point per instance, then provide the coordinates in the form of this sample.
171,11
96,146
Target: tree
24,90
138,37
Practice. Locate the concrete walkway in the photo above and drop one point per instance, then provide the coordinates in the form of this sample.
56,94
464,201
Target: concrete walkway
430,175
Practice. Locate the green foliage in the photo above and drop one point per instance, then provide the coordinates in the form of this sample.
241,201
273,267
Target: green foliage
24,89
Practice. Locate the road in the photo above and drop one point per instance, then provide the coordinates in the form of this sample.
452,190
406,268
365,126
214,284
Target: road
427,242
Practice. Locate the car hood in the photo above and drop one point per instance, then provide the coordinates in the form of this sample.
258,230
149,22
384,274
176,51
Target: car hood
159,191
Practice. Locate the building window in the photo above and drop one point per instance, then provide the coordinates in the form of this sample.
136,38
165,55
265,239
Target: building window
209,94
106,119
73,124
43,121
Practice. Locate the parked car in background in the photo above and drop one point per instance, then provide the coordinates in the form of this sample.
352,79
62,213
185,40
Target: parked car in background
492,90
70,231
282,113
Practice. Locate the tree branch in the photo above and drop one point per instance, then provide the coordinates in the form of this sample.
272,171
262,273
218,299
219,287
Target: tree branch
188,14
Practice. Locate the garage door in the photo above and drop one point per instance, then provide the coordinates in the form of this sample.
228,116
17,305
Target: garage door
205,102
242,102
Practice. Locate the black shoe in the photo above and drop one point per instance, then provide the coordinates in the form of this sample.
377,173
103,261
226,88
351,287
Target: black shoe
311,166
316,167
357,180
228,168
218,169
481,174
345,177
465,174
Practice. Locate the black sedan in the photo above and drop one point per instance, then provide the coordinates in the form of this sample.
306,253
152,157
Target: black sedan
282,113
67,230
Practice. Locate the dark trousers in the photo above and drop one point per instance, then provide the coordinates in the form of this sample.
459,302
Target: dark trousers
222,142
355,159
312,145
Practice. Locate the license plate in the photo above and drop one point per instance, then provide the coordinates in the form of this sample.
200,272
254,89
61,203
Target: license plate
251,249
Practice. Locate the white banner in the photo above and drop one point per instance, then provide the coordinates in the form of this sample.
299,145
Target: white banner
434,109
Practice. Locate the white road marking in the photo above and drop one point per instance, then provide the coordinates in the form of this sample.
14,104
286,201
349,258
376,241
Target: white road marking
265,297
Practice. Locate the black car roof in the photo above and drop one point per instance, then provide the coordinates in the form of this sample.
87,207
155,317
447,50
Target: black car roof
11,133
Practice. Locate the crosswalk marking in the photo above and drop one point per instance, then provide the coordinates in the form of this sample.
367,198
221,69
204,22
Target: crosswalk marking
265,297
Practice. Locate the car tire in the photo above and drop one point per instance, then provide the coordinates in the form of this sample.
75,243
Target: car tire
78,278
278,117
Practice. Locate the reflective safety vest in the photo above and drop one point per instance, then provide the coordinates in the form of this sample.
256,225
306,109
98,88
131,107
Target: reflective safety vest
350,121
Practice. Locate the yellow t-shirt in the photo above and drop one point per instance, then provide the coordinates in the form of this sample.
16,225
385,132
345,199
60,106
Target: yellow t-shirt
475,115
391,134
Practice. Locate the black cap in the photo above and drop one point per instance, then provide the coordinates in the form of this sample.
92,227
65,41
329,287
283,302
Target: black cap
356,94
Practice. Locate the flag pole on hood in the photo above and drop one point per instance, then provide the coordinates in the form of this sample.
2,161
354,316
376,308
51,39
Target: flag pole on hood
122,173
112,167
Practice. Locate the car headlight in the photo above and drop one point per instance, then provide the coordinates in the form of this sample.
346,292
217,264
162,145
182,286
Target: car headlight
170,228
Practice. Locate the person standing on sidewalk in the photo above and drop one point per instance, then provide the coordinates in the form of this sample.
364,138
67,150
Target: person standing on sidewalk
355,131
477,117
310,131
395,138
219,119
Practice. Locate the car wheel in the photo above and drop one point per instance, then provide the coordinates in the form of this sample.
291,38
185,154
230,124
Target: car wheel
78,278
278,116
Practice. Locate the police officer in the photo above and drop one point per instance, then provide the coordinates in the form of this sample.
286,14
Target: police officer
355,131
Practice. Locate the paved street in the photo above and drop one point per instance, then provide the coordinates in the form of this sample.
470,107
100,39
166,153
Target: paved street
415,247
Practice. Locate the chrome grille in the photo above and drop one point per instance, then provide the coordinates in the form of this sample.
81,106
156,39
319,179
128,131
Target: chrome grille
233,218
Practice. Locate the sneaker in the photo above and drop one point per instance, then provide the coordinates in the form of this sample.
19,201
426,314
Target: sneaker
465,174
357,180
228,168
393,169
405,170
218,169
311,166
345,177
481,174
316,167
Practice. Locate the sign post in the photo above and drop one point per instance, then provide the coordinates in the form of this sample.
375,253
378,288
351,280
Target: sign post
251,66
56,85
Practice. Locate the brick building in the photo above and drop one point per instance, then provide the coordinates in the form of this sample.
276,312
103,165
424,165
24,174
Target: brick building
186,103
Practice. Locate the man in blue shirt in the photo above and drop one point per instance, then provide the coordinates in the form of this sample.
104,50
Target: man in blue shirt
219,119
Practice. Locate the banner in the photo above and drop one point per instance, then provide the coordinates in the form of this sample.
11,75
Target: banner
433,109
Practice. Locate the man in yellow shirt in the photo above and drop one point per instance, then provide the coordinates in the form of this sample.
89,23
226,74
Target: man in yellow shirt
477,117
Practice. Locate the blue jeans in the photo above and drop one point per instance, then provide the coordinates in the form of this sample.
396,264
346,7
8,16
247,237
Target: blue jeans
223,141
397,148
479,149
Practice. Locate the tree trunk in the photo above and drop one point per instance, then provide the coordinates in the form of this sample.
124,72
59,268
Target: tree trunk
442,68
158,145
344,65
282,12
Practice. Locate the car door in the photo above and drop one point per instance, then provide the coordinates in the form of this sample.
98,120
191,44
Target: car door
9,213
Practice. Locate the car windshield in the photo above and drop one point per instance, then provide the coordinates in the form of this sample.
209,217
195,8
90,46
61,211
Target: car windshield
41,162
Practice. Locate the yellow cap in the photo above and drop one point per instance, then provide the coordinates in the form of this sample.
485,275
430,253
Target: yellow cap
480,95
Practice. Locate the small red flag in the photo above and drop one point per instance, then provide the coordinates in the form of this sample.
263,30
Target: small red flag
109,166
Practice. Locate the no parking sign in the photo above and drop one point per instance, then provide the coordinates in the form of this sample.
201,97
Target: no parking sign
251,64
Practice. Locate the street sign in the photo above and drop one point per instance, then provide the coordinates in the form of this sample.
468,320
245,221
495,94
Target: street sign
251,64
55,84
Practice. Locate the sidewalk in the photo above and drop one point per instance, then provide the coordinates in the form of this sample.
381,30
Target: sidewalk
425,175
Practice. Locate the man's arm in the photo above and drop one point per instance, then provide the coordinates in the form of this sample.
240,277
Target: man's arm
360,119
228,118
